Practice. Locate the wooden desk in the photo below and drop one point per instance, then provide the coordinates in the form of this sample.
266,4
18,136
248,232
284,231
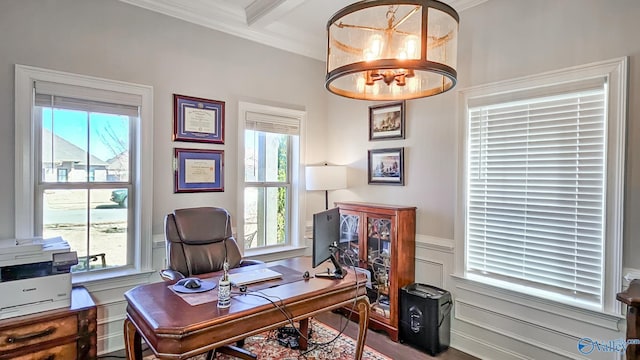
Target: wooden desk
173,329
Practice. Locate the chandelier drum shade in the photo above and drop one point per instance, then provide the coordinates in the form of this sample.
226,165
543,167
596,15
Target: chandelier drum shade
392,49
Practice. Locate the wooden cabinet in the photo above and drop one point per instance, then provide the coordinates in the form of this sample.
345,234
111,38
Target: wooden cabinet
380,241
60,334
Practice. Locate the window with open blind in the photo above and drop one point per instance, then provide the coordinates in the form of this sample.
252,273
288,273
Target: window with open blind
85,153
271,152
85,179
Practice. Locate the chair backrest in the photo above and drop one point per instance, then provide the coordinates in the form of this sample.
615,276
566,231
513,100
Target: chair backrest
199,240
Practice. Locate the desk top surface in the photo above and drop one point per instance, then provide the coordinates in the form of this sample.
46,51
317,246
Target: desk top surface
164,311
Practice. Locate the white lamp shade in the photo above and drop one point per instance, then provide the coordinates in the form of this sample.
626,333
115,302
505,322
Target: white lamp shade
326,177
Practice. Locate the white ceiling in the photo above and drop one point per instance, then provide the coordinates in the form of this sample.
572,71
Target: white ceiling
298,26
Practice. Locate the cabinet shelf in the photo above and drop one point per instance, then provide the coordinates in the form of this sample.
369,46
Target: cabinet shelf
381,240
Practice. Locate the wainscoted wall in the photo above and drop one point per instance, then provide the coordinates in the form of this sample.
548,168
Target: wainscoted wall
109,297
487,322
496,324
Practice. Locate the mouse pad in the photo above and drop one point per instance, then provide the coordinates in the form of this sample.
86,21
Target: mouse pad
204,286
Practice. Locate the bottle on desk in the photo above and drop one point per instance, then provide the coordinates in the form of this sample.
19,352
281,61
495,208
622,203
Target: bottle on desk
224,288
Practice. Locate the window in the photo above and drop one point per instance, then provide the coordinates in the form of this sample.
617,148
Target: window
62,174
75,135
271,143
544,174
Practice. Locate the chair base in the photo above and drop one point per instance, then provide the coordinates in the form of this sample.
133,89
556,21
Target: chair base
233,351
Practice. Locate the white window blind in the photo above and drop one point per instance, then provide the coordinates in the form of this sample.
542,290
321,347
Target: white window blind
536,192
63,96
272,123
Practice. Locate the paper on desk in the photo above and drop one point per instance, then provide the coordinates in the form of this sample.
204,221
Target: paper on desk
194,299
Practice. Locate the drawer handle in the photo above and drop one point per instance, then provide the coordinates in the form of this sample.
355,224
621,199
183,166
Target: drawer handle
27,337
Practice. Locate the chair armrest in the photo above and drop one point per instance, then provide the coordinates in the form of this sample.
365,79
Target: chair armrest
247,262
170,275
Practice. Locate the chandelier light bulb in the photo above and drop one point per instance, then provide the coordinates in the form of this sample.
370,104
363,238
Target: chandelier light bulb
411,47
375,46
361,85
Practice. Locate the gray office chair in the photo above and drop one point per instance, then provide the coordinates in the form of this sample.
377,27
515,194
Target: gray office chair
198,242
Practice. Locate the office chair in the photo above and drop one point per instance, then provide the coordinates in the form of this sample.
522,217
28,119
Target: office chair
198,242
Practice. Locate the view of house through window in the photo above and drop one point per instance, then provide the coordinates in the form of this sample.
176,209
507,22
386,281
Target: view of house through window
84,179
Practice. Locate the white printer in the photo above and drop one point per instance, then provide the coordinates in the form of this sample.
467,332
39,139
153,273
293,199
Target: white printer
35,275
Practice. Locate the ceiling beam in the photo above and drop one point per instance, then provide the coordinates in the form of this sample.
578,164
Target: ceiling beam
261,13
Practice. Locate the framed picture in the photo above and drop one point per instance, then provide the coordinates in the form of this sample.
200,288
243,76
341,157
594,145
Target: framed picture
386,166
386,121
198,170
199,120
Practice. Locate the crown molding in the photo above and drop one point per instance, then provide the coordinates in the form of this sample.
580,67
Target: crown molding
260,21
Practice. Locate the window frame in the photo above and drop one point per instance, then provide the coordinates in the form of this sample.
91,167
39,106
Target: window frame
296,198
265,185
615,73
26,161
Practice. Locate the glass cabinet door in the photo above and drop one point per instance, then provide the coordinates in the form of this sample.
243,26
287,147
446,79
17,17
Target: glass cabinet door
379,264
349,239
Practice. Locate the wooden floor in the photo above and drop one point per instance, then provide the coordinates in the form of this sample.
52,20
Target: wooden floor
382,343
376,340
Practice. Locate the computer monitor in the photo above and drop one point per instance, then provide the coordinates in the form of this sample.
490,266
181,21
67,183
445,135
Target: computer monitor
326,235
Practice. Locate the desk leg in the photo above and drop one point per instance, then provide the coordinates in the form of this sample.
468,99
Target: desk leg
304,330
363,322
132,341
633,324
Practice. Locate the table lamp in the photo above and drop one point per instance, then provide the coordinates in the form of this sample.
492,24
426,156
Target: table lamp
326,177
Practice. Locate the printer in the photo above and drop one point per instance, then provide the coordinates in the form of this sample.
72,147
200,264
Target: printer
35,275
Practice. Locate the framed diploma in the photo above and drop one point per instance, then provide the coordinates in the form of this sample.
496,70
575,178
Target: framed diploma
198,170
198,120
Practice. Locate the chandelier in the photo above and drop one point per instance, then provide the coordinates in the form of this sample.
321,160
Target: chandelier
392,49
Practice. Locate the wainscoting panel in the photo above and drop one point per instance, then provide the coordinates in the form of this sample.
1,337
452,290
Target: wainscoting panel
433,261
109,298
431,272
493,319
110,326
487,323
477,347
500,324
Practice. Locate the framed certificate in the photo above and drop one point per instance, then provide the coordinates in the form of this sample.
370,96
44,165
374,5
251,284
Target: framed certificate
198,120
198,170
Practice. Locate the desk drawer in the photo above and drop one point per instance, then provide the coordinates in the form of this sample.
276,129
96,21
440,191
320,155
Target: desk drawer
30,334
62,352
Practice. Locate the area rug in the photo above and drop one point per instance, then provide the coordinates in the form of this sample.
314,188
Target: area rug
266,346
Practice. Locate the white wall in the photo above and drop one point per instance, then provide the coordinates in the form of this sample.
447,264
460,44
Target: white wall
114,40
499,40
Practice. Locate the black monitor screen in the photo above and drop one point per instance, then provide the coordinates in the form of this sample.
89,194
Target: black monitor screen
326,231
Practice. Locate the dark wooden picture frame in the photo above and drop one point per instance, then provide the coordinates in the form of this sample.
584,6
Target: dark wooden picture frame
386,166
198,170
198,120
386,121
